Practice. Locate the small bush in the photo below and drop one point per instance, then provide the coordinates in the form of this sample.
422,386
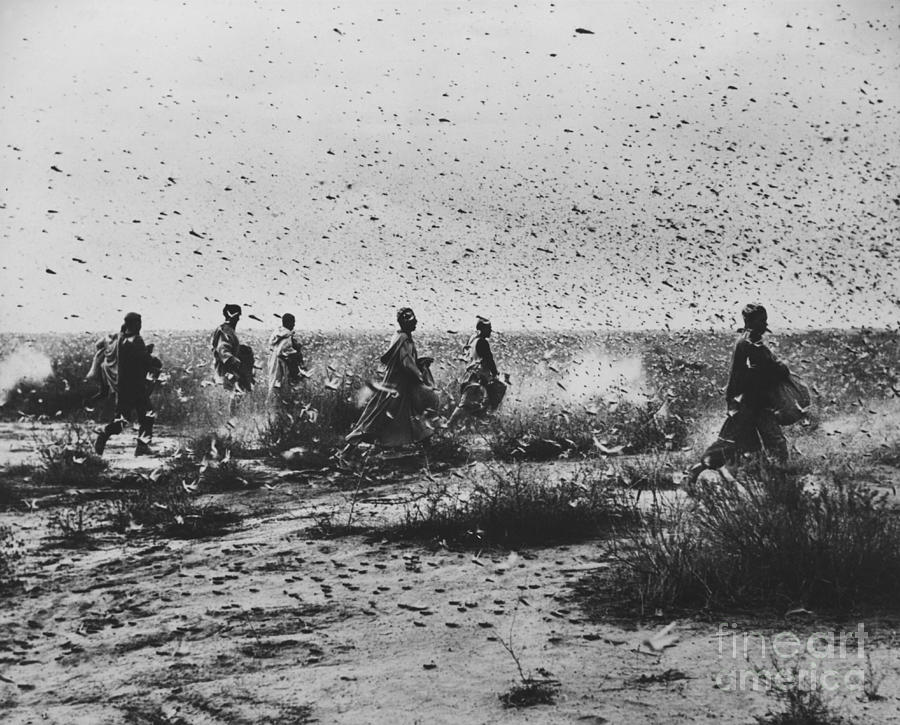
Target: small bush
765,541
512,506
67,457
798,704
535,437
316,420
214,476
539,688
641,429
530,693
446,449
166,508
73,526
624,426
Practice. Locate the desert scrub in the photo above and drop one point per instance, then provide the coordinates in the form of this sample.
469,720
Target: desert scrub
314,418
798,702
67,456
513,506
212,469
445,449
72,527
533,688
622,427
765,540
167,508
537,435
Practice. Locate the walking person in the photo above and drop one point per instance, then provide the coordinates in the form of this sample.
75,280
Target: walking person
481,391
285,363
128,371
397,413
232,362
751,423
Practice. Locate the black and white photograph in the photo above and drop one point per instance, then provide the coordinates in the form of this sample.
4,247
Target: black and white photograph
451,361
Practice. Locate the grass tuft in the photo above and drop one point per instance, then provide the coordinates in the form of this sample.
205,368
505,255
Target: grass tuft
767,539
67,456
799,703
531,692
513,506
165,507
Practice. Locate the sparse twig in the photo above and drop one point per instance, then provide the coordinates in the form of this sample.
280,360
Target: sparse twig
362,472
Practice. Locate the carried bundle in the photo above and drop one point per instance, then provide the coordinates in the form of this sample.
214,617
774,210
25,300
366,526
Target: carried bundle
790,400
246,376
425,397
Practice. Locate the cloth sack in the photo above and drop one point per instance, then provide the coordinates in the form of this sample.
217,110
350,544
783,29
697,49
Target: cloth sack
790,400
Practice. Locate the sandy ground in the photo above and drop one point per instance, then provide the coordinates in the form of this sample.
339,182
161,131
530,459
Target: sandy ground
269,624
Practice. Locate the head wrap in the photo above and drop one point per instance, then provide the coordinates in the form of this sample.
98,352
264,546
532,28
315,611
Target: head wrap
288,321
483,324
231,311
755,318
405,315
132,322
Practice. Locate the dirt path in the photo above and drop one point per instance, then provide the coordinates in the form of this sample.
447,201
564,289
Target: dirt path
268,624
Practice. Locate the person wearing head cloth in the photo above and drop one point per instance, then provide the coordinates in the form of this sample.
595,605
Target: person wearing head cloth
481,390
750,424
285,362
397,413
232,362
128,370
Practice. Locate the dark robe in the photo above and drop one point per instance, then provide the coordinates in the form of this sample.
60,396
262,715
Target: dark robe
232,362
481,391
396,414
129,370
751,424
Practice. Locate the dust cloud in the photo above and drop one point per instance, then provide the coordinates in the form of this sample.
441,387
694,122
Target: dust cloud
24,365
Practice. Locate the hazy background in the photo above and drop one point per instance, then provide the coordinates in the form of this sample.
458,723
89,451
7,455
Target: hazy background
341,160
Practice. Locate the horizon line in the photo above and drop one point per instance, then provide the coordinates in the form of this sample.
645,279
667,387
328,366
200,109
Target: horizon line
447,331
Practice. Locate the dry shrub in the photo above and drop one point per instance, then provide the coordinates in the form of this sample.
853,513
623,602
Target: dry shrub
540,435
210,464
67,456
766,540
73,526
164,507
316,420
799,702
533,436
515,505
530,693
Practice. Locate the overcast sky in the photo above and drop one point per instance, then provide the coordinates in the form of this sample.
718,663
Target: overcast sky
339,160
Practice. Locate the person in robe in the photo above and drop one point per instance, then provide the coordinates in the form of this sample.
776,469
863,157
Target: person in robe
128,371
285,362
232,362
397,413
751,423
481,390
